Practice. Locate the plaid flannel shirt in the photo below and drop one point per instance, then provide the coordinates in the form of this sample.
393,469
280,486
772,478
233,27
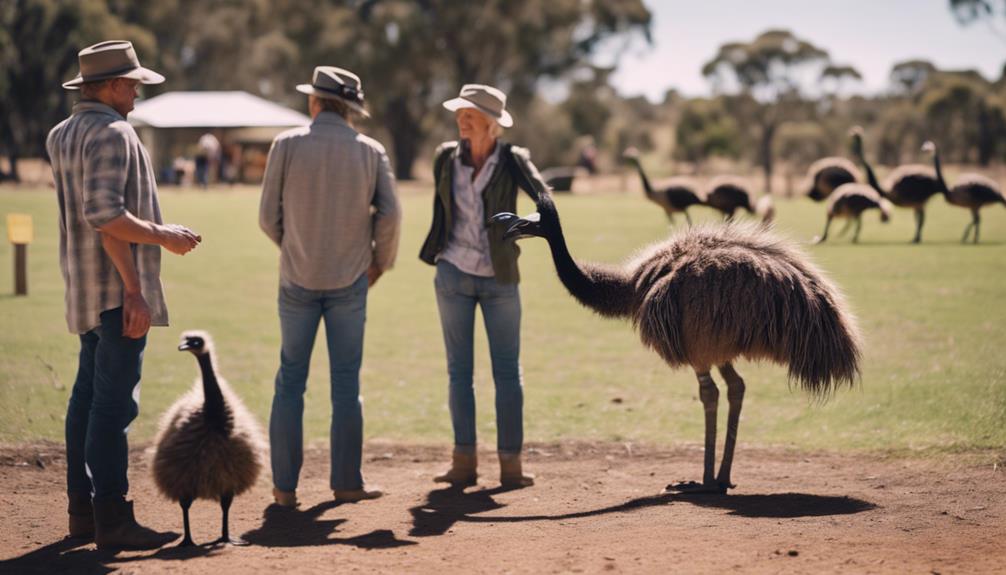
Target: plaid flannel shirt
102,170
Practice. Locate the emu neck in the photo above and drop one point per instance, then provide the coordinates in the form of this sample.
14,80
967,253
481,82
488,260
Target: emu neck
870,176
604,289
213,398
939,173
642,175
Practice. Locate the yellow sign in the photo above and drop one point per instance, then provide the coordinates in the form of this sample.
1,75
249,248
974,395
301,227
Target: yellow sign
19,229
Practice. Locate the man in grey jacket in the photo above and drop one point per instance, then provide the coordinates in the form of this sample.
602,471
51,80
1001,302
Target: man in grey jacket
329,203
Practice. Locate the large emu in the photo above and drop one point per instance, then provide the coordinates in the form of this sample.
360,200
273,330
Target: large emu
674,195
972,191
708,296
727,194
908,186
850,201
827,174
209,446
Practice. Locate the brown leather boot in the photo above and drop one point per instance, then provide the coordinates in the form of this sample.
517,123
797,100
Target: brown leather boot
115,527
81,515
511,472
462,472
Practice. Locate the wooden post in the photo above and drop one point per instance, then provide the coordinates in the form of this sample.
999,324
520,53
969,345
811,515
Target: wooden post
20,233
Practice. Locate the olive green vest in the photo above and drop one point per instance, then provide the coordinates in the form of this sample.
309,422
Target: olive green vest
500,195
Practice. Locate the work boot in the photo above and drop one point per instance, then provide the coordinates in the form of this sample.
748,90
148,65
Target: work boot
286,499
81,515
462,472
115,527
511,474
354,495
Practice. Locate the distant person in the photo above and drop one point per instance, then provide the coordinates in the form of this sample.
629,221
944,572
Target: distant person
110,254
475,179
329,203
588,156
179,166
207,158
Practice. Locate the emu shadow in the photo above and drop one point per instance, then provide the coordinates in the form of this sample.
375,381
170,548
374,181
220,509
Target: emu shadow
780,505
283,527
75,556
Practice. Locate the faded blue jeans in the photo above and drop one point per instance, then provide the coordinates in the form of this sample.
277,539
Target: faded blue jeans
300,311
104,400
457,295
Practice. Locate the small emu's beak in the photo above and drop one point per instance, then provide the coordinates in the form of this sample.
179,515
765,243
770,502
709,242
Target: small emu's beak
184,346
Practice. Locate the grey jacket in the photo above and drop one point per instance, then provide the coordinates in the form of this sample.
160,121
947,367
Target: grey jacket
329,203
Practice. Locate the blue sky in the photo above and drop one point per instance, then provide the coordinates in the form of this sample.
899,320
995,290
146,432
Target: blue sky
868,34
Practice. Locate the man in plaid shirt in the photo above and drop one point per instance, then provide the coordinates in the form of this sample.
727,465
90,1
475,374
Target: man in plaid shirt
110,238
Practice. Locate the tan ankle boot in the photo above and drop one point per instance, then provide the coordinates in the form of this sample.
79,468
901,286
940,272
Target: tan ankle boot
511,472
81,513
115,527
462,472
286,499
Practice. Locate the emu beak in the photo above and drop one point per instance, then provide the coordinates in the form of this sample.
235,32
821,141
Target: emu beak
518,227
184,346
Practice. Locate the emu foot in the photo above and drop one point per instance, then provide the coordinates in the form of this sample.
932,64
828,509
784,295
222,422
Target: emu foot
235,541
187,542
696,488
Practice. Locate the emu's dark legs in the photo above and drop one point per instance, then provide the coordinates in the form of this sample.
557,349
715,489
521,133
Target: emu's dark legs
920,218
709,395
859,226
824,236
845,228
187,539
735,398
977,221
688,218
225,537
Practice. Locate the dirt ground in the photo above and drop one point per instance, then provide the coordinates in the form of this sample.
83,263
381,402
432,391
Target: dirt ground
595,508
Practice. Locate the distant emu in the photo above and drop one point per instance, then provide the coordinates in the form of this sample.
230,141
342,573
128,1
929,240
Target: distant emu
850,201
708,296
908,186
972,191
674,195
209,446
727,194
827,174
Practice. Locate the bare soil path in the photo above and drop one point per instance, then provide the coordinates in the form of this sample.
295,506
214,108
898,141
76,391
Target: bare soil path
596,508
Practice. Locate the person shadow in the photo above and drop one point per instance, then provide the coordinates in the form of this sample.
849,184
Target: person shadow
446,507
284,527
80,556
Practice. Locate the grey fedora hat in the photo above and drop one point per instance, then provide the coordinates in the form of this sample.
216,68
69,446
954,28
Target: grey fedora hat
486,99
336,84
111,59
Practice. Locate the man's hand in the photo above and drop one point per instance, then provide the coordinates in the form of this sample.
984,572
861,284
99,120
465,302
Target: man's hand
179,239
373,273
135,315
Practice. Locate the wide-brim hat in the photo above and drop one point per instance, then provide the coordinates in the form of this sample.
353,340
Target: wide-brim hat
111,59
486,99
337,84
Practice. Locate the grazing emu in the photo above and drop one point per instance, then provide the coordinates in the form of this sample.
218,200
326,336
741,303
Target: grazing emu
850,201
972,191
209,446
708,296
908,186
827,174
727,194
675,195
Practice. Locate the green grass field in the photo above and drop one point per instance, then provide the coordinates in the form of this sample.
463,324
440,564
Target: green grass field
933,316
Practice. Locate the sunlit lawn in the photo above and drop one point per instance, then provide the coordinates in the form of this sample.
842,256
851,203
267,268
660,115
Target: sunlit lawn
934,316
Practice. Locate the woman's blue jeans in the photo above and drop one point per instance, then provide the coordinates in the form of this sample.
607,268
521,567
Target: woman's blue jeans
104,400
300,311
457,295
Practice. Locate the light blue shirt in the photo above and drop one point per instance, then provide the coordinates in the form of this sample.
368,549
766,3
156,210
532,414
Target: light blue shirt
468,241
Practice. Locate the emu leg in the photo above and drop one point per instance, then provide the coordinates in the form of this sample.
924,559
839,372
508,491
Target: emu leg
920,218
824,236
735,398
978,222
225,537
845,228
687,217
859,226
709,395
187,539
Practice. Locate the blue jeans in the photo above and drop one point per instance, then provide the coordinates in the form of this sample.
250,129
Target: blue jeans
300,311
104,400
457,295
